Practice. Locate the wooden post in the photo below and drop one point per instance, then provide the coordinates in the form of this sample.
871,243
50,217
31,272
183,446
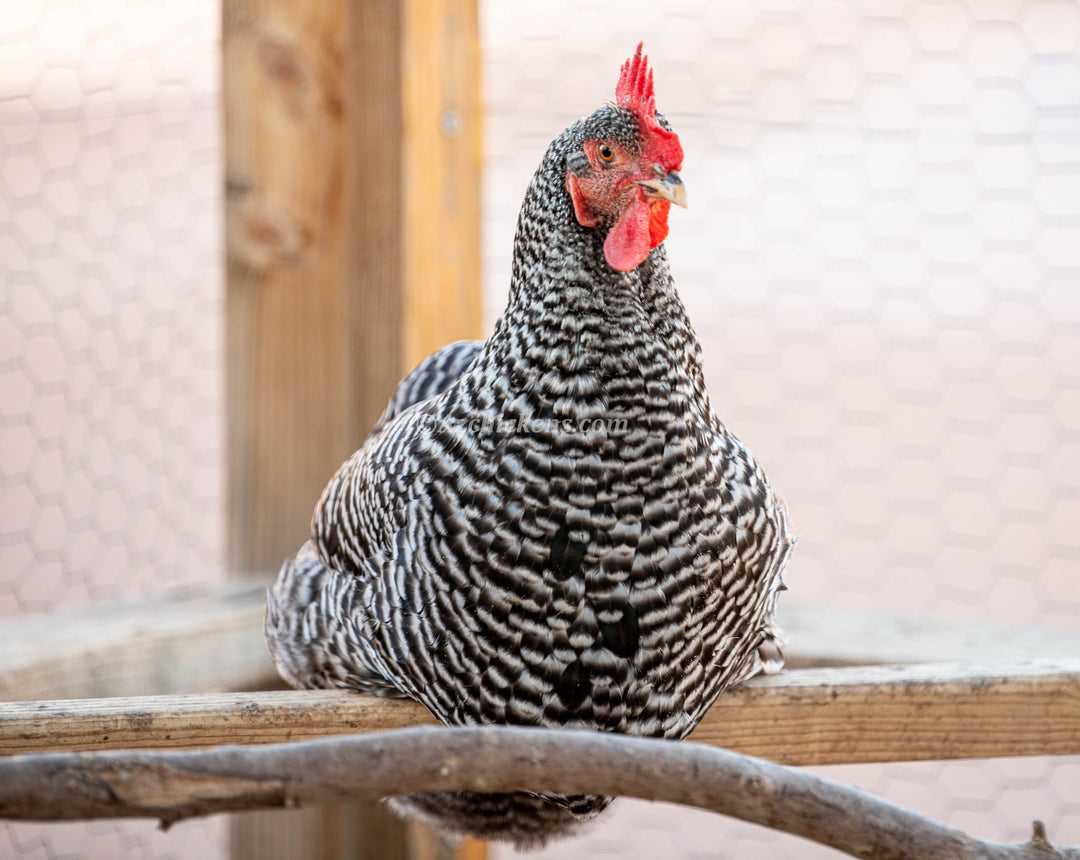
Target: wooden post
352,140
352,234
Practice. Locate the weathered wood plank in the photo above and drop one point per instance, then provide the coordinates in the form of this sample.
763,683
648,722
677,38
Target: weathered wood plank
213,641
288,269
923,712
805,717
183,722
176,643
821,636
440,164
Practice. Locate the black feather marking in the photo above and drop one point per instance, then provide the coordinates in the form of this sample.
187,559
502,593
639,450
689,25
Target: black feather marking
566,554
622,636
573,685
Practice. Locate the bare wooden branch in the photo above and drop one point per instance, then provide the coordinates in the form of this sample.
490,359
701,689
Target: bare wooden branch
171,786
805,717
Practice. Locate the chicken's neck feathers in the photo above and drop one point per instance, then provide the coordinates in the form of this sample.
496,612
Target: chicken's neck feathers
569,311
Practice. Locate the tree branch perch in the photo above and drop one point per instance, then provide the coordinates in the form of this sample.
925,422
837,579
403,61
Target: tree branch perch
172,786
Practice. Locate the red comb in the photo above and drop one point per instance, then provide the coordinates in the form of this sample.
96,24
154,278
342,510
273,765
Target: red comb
635,92
635,87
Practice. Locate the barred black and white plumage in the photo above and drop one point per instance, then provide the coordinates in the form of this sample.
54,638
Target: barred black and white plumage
551,527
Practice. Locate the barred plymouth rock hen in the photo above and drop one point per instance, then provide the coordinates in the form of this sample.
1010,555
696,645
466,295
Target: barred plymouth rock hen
552,527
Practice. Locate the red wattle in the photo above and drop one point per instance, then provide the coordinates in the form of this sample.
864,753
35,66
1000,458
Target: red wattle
641,228
658,228
627,244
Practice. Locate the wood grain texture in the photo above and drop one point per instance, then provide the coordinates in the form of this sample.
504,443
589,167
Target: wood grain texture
376,227
184,722
212,640
191,642
902,713
313,320
442,150
805,717
171,786
352,137
286,213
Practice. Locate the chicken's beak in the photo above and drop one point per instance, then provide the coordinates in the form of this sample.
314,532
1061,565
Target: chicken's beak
668,186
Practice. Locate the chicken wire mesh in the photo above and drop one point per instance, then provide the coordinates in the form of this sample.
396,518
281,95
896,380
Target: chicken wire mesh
881,256
110,336
110,329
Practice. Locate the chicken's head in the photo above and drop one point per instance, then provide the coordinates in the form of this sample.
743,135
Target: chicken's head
624,178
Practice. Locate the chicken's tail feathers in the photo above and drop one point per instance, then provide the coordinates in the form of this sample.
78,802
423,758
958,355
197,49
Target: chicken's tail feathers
430,378
311,628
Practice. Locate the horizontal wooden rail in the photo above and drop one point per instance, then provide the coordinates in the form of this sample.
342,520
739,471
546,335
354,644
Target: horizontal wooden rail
821,636
187,642
803,717
190,722
213,641
902,713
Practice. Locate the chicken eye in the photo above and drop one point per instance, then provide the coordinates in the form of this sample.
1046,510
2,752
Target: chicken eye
606,154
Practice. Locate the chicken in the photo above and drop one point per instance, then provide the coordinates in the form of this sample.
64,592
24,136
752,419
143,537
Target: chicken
551,527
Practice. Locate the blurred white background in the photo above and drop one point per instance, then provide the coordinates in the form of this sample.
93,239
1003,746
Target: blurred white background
882,258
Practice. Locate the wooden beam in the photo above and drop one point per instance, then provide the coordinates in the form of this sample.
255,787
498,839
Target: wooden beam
440,163
352,138
189,642
821,636
185,722
805,717
925,712
352,146
286,210
209,641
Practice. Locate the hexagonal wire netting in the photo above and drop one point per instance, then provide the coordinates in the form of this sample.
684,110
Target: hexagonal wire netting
110,328
882,258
